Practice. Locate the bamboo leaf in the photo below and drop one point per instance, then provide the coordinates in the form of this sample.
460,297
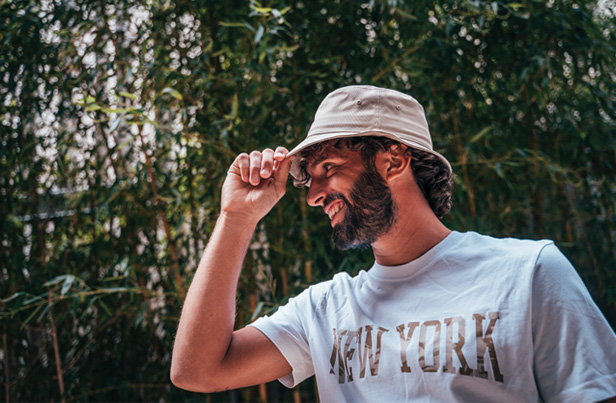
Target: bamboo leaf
259,34
236,25
56,280
17,295
128,95
482,133
257,311
32,315
174,93
103,305
144,307
68,282
114,125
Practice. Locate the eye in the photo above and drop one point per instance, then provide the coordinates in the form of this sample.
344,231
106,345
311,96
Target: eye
328,168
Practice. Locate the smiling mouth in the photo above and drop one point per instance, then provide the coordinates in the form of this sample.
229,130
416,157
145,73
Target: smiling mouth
334,208
333,211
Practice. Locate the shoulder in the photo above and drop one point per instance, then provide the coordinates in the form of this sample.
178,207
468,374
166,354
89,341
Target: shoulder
573,342
502,242
341,285
339,280
557,283
472,244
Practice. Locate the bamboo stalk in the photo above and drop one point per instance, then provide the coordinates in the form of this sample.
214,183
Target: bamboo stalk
194,223
467,182
263,392
7,386
284,275
306,238
533,141
56,351
284,279
587,243
39,224
308,271
163,218
252,305
538,210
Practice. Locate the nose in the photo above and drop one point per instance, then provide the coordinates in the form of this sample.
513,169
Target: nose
316,193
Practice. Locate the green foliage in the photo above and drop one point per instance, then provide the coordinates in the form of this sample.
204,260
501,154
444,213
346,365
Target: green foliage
120,118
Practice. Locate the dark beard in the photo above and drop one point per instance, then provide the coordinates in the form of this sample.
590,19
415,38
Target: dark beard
371,214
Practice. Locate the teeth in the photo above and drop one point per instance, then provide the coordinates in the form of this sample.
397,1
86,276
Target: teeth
334,210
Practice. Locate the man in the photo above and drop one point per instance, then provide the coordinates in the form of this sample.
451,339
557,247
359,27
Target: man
441,315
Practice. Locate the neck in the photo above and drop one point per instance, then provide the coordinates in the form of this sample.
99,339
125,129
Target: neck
416,231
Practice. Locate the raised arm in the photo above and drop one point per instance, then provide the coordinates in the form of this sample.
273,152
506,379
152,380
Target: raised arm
208,355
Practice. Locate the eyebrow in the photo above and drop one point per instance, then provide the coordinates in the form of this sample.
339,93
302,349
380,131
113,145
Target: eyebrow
319,160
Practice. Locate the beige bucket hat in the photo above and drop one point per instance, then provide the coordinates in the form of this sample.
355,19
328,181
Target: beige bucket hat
365,110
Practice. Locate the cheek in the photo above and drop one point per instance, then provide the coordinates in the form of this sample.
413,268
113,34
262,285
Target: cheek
343,182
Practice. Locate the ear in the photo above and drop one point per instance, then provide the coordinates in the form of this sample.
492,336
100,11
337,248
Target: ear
397,160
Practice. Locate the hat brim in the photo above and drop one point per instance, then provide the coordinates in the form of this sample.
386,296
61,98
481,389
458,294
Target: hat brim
319,138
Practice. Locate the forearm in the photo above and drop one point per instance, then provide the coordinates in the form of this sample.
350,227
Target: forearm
206,324
206,355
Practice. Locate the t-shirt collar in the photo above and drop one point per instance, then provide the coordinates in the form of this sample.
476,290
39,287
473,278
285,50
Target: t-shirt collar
395,273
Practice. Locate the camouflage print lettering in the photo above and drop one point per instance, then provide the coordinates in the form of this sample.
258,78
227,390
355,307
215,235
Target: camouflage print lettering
404,343
436,342
372,358
450,346
337,355
368,350
482,343
332,358
348,353
344,353
362,357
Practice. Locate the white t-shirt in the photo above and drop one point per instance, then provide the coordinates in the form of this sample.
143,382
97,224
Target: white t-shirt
473,319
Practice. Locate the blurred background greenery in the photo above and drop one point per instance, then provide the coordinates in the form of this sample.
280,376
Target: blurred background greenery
119,119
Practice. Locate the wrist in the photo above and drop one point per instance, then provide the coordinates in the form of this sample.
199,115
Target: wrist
238,220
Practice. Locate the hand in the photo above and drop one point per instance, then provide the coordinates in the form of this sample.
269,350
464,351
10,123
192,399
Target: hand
255,183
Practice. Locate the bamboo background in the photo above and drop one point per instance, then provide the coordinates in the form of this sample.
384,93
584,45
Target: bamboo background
120,118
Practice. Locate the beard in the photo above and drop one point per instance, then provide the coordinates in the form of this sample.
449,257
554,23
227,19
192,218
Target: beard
370,212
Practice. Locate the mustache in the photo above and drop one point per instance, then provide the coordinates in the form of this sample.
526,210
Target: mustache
335,196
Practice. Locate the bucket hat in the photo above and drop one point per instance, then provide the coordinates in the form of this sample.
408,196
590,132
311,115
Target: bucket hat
365,110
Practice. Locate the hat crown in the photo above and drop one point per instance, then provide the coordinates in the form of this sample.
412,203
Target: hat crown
360,109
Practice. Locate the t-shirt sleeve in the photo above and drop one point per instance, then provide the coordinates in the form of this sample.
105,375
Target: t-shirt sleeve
286,330
574,346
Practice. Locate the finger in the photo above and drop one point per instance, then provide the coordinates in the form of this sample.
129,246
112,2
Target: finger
243,163
279,156
255,168
267,163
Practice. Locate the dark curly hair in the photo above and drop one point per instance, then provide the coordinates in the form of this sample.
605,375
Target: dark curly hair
431,174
